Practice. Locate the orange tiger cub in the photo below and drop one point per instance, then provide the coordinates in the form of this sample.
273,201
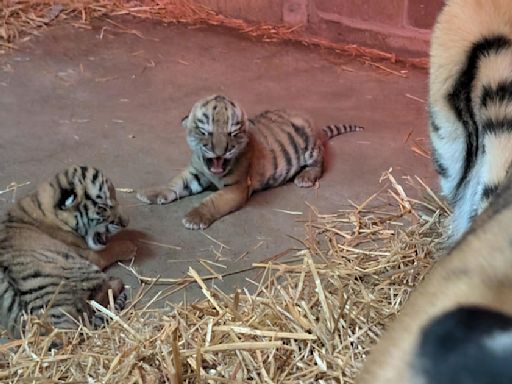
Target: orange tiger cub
52,251
239,156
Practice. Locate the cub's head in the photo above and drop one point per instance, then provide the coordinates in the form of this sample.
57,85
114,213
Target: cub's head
81,200
217,132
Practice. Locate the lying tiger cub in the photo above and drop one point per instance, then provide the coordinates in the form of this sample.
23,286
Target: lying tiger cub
52,250
239,156
457,325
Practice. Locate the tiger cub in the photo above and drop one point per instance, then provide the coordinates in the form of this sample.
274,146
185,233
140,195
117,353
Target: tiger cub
52,250
239,156
470,97
457,325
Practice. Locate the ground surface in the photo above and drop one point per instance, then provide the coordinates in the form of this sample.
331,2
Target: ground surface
114,100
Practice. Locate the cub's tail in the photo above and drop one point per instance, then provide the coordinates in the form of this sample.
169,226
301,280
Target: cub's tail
333,130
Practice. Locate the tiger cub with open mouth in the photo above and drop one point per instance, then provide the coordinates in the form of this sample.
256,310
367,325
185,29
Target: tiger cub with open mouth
239,156
53,248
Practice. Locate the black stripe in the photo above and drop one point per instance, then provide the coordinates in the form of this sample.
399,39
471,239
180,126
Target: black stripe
185,186
95,176
84,172
196,178
287,159
489,190
42,290
490,126
303,134
434,126
295,147
89,197
500,93
38,205
32,275
24,209
438,165
73,175
328,132
14,299
272,179
7,288
460,101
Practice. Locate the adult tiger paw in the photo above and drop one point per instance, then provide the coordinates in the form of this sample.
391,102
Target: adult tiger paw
158,195
197,219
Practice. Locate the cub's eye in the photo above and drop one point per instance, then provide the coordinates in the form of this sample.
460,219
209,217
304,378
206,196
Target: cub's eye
235,133
103,208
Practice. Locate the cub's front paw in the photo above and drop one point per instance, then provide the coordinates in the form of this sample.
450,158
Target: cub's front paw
197,219
122,250
156,195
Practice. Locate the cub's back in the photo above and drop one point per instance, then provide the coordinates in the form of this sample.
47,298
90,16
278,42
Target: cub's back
281,140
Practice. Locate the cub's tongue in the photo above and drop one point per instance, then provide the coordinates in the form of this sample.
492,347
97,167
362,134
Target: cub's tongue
217,165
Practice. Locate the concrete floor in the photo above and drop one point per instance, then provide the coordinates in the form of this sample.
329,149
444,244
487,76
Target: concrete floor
115,102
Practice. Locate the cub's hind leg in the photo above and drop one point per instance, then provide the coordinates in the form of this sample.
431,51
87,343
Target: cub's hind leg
314,159
188,182
101,296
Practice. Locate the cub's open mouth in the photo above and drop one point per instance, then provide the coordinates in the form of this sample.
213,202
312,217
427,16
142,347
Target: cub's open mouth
216,165
100,238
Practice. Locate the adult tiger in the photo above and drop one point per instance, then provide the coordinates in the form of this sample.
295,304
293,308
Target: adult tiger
240,156
52,250
457,325
470,96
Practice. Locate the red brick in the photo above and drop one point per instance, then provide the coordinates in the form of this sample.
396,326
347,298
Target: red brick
389,12
422,13
295,12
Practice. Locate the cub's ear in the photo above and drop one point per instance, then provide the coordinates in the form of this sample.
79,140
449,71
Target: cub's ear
68,198
184,122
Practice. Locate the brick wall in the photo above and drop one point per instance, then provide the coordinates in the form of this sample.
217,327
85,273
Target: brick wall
399,25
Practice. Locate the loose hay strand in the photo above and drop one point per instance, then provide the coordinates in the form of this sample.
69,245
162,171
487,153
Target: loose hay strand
311,318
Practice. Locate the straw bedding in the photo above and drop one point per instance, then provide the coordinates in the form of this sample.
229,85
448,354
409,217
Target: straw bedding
308,316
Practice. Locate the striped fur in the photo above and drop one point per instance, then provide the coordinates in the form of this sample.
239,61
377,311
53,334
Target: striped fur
52,250
239,156
457,325
471,104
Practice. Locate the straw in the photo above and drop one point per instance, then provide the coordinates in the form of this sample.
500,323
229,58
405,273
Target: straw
309,318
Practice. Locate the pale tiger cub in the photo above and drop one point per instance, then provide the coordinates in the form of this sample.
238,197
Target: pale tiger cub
52,250
456,328
239,156
471,104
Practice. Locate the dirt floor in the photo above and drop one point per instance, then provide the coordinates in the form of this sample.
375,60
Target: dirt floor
115,100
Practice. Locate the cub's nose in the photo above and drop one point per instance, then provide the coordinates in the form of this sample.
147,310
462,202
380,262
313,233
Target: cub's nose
123,220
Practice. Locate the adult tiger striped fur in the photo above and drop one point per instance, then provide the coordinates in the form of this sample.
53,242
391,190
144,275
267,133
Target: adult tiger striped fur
457,325
240,156
470,96
52,250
